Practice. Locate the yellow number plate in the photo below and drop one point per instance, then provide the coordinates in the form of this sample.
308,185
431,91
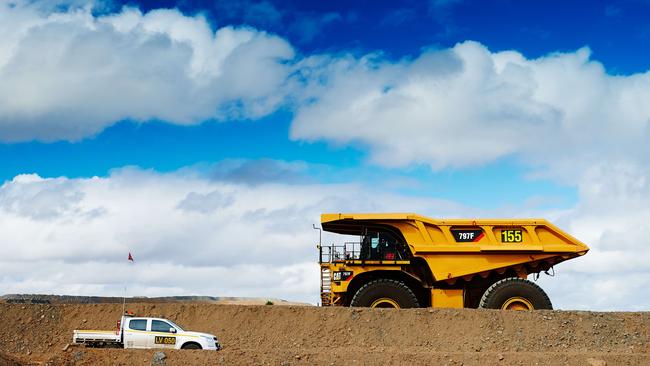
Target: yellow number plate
511,236
165,340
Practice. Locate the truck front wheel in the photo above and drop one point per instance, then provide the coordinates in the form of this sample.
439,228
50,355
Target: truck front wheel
515,294
385,293
191,346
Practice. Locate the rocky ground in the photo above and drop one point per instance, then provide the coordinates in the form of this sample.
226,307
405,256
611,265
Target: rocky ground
302,335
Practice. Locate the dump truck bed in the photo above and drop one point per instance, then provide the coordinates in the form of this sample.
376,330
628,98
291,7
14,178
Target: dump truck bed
456,248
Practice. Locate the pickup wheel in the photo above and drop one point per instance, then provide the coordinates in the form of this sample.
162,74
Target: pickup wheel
385,293
191,346
515,294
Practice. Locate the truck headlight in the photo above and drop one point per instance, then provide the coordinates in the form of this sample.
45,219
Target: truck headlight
208,339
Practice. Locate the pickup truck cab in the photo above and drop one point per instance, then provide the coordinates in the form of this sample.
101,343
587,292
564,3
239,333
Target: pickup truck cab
146,333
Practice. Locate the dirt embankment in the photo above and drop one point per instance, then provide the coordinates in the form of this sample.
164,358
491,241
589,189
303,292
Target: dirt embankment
287,335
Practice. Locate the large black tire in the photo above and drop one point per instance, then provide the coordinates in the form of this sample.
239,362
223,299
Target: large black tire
515,293
191,346
385,293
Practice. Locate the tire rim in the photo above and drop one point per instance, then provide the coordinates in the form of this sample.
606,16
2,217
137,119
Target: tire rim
517,303
385,302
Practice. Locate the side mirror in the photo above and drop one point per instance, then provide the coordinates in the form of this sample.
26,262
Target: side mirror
172,330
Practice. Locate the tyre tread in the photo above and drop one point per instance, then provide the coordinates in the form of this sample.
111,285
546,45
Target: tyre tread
383,282
512,281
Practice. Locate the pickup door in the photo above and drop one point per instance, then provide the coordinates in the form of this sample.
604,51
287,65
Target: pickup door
162,335
136,334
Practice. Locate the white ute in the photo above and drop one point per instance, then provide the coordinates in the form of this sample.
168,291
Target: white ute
145,332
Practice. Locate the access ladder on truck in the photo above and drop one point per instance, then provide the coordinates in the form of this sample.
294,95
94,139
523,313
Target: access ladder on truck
325,286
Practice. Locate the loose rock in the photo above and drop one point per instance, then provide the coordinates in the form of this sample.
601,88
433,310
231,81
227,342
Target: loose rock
158,359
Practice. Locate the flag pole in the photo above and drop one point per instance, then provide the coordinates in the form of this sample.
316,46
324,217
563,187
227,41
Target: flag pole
130,259
124,299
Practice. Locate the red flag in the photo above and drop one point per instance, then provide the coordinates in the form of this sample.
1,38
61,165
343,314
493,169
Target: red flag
131,257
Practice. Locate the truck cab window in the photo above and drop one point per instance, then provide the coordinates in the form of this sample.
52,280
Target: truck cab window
160,326
381,245
374,243
138,324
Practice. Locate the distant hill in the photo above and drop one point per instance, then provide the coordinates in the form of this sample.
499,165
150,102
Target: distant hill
70,299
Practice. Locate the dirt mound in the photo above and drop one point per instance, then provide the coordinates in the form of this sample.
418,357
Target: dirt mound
311,335
7,360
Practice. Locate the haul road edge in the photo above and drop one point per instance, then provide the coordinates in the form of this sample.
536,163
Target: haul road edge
405,260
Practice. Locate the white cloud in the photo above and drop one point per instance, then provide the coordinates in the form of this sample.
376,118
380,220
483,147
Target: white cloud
229,238
67,75
612,217
467,106
217,237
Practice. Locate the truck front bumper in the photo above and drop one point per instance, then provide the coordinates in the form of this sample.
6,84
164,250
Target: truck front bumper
213,346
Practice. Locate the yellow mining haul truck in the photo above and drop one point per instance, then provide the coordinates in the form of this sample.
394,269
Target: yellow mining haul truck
407,260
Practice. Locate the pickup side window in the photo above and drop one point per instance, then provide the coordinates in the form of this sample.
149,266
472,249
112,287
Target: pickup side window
160,326
138,324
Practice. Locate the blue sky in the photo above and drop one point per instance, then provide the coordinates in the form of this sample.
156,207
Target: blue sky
164,147
398,30
136,126
612,29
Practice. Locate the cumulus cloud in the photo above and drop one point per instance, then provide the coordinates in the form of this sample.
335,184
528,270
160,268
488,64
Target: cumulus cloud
34,198
227,238
467,106
219,237
205,203
70,74
612,217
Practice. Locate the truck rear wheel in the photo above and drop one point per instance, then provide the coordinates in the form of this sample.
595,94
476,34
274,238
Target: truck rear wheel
515,294
385,293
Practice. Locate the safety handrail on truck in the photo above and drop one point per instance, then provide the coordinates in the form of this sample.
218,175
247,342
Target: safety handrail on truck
339,253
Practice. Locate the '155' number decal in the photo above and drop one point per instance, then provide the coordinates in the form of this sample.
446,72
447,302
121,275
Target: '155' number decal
511,236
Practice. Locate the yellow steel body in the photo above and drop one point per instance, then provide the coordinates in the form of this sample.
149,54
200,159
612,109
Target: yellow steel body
448,260
446,298
340,287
